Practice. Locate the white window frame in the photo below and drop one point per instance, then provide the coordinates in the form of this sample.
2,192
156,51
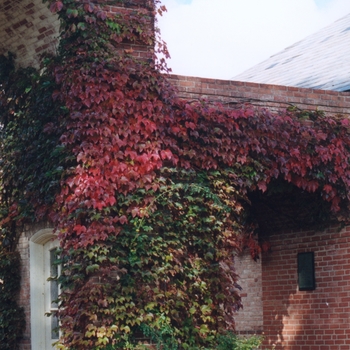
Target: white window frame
39,323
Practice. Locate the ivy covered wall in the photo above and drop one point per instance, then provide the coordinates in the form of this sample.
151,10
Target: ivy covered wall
149,193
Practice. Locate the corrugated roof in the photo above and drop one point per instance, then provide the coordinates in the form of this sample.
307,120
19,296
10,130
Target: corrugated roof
320,61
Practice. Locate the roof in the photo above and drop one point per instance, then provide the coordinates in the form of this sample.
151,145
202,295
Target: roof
320,61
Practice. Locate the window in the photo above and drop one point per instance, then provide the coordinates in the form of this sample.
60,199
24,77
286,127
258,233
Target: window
51,270
306,271
43,293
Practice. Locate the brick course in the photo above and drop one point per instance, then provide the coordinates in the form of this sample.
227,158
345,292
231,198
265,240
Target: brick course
275,97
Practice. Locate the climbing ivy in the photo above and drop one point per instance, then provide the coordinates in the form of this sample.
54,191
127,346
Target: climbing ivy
149,193
11,315
32,163
32,160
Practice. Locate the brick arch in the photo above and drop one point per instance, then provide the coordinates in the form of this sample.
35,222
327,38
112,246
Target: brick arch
28,29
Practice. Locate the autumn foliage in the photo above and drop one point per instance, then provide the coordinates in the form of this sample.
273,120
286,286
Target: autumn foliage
152,200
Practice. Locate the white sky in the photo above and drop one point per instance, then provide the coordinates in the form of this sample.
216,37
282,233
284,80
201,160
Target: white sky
222,38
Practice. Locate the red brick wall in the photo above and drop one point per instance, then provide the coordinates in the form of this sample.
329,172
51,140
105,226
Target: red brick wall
249,320
272,96
27,29
318,319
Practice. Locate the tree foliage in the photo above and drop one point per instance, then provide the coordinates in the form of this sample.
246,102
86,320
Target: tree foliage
148,191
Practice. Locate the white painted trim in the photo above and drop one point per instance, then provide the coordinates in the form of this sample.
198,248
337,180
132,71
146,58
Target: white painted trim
43,236
37,287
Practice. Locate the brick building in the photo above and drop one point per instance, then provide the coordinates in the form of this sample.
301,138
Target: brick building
290,318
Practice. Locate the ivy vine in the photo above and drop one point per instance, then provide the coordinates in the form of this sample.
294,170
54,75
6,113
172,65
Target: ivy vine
149,193
11,314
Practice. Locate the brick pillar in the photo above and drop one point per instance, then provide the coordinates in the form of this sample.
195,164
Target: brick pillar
147,10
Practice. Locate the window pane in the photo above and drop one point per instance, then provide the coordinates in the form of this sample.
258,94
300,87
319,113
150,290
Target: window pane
306,271
54,327
53,284
53,267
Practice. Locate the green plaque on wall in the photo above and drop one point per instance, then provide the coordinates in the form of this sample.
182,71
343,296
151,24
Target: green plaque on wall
306,271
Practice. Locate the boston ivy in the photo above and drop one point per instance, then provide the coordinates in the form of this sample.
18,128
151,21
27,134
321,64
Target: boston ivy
11,315
149,192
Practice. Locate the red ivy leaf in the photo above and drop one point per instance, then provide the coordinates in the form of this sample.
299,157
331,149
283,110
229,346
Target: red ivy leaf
190,125
79,229
262,186
48,128
89,7
327,188
101,15
345,122
111,200
135,211
56,6
335,204
123,219
312,186
166,154
56,94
